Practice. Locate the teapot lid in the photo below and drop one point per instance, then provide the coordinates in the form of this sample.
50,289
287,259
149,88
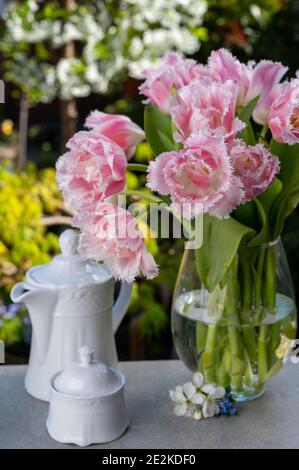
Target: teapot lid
87,378
68,268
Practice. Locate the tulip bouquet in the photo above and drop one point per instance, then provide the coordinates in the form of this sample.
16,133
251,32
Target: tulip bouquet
225,137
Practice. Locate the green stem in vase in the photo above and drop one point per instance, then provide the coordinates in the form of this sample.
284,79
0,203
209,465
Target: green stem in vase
208,356
237,365
246,287
248,331
270,302
258,283
269,299
223,367
249,336
201,335
269,292
263,353
274,341
248,375
253,281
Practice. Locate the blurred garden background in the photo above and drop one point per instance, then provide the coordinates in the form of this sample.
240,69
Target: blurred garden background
61,59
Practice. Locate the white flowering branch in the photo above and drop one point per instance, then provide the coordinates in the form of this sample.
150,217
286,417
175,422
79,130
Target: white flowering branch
131,39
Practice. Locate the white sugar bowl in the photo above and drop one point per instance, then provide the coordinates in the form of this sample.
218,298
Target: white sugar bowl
87,403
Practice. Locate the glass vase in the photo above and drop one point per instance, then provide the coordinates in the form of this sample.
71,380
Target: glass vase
239,334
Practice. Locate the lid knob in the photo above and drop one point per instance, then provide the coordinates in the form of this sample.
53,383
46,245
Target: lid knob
87,378
68,242
86,354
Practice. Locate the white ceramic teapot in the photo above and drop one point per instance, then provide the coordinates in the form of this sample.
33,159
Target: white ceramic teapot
70,303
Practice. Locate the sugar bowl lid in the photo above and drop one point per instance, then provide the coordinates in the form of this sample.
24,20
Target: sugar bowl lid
87,378
68,268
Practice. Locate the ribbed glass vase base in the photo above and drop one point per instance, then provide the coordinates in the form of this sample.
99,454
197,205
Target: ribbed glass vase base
248,394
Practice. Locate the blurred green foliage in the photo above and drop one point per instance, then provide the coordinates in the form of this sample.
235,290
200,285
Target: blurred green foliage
12,329
153,317
24,240
25,198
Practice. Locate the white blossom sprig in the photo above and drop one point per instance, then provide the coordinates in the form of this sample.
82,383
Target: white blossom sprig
197,399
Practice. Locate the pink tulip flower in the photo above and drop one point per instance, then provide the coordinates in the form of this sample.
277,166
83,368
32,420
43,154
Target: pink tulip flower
252,80
110,234
229,200
202,106
118,128
173,73
284,113
255,166
196,177
265,78
93,169
225,66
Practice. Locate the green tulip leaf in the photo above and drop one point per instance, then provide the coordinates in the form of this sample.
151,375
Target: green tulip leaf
247,134
158,130
246,112
221,240
288,198
268,197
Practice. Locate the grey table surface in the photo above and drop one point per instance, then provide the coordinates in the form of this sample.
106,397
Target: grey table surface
271,421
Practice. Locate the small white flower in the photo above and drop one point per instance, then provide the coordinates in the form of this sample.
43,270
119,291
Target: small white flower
181,409
177,395
197,415
198,379
197,399
213,392
193,395
210,407
188,400
189,390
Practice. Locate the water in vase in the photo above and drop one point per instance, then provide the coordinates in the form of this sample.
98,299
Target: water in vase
232,352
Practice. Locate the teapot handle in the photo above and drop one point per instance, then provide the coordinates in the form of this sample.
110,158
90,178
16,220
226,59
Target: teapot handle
121,305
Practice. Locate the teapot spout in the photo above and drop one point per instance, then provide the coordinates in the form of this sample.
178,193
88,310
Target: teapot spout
20,293
40,304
